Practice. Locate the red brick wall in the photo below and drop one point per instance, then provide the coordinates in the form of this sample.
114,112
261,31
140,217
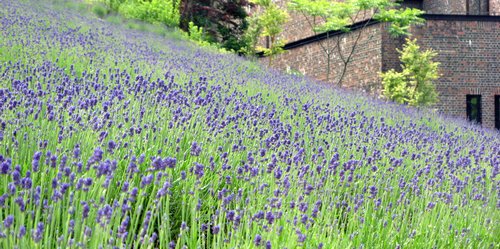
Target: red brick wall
445,6
297,27
468,51
494,7
390,55
361,72
459,7
469,54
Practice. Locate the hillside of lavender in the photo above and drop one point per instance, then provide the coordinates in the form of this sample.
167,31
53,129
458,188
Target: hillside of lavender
115,138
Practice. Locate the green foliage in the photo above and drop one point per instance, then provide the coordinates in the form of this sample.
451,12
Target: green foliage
400,19
113,4
251,36
269,23
414,84
223,21
100,10
153,11
196,34
156,11
339,15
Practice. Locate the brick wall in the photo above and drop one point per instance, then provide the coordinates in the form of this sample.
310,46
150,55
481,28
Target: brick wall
469,54
468,51
362,70
478,7
299,26
494,7
461,7
445,6
390,55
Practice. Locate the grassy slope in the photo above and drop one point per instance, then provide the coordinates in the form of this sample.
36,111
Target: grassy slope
370,173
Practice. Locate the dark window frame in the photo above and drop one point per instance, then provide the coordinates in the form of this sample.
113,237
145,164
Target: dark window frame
478,118
497,111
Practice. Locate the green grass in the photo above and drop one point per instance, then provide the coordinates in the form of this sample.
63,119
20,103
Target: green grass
141,88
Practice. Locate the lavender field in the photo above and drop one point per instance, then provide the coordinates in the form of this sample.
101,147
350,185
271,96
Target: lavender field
115,138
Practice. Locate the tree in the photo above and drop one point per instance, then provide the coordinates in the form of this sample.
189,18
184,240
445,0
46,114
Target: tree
414,84
251,36
327,15
223,21
269,23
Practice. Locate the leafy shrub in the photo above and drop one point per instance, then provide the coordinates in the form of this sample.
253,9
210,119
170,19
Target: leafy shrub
414,84
157,11
100,10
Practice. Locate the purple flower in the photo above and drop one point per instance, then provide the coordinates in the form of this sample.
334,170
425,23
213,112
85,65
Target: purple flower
171,245
146,180
184,226
164,190
71,226
278,173
86,209
111,146
153,238
170,162
195,149
268,244
301,237
22,231
5,166
35,164
373,191
87,232
96,157
38,232
199,170
431,205
257,240
8,221
12,188
76,151
215,229
230,215
270,217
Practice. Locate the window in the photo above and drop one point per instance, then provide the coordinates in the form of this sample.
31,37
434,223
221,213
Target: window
474,108
497,111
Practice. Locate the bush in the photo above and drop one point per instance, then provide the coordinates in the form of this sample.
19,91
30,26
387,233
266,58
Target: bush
157,11
100,10
414,84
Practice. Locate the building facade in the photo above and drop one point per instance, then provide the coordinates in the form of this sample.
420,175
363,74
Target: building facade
465,33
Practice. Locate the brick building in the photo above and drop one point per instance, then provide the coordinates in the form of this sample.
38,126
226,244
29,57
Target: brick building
465,33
